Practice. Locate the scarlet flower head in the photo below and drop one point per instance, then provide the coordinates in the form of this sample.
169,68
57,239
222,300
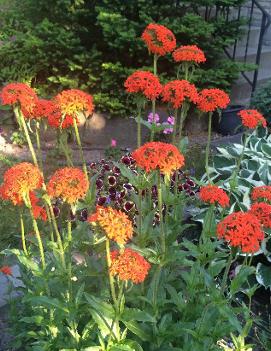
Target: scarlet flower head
129,265
42,109
241,230
212,194
38,211
190,53
115,223
68,183
74,101
19,181
177,91
159,39
212,99
158,156
6,270
252,118
19,93
262,211
145,83
261,193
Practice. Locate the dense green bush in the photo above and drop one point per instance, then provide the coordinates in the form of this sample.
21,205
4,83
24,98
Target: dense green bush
90,44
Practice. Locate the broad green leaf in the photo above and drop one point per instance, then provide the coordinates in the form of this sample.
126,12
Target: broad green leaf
131,314
263,275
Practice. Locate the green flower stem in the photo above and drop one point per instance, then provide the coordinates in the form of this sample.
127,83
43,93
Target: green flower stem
139,212
176,193
138,126
64,147
175,126
23,233
58,236
77,135
111,279
37,233
50,222
208,145
69,230
226,273
160,207
20,118
37,131
184,111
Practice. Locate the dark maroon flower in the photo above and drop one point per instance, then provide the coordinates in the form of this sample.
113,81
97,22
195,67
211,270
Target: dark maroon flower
112,191
116,171
72,216
128,205
190,182
122,193
56,211
92,165
128,186
101,200
102,161
112,180
180,187
83,215
113,197
106,167
99,183
126,160
186,187
154,191
192,193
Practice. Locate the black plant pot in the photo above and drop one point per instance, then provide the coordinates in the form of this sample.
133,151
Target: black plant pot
229,123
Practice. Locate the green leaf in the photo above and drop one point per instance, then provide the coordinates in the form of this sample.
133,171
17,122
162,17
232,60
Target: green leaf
106,309
47,302
137,315
263,275
240,279
135,328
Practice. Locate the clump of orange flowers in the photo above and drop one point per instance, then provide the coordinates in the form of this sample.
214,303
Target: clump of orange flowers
42,109
68,183
19,93
19,181
159,39
73,101
261,193
129,265
177,91
145,83
241,230
263,212
158,156
190,53
116,224
210,100
212,194
252,118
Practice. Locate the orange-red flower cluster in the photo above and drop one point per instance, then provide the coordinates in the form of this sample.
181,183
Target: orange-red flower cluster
212,194
261,193
42,109
6,270
263,212
19,93
129,265
241,230
74,101
191,53
144,82
159,39
19,181
158,156
177,91
115,223
211,99
252,118
68,183
38,211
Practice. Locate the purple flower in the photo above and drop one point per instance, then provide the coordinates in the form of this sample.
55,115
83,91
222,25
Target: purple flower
171,120
153,118
168,131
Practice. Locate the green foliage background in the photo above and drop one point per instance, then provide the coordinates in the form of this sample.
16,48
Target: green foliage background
94,45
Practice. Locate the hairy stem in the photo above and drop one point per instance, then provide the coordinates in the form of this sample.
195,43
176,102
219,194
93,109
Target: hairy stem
208,146
23,233
110,277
